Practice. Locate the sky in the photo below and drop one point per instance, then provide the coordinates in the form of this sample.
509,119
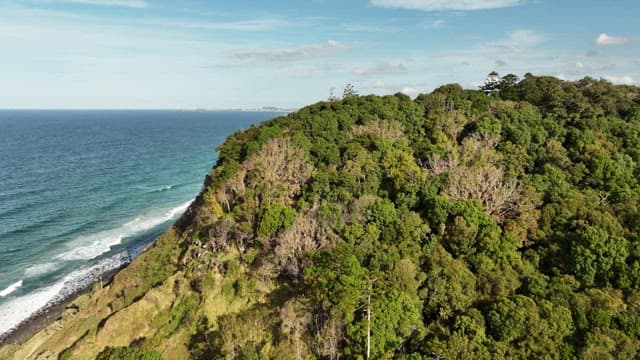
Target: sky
215,54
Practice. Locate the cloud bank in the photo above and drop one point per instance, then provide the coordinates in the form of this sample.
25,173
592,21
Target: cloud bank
379,69
136,4
240,25
621,80
606,40
441,5
303,52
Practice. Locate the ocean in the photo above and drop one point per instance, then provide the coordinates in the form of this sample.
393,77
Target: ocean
82,192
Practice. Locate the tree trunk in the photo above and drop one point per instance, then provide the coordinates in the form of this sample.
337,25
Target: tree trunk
368,326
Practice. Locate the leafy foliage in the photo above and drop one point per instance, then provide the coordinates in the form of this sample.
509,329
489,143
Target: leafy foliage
128,353
471,224
456,225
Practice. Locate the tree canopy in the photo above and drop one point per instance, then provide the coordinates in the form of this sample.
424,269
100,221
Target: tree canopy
502,225
456,225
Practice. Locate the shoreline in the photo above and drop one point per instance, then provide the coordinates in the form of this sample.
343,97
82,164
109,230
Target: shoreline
76,284
52,312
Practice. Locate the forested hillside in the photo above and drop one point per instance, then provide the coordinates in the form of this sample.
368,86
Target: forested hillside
459,225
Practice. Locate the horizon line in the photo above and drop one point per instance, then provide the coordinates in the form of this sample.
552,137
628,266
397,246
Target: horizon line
248,109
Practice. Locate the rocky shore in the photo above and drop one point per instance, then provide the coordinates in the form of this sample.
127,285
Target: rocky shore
74,285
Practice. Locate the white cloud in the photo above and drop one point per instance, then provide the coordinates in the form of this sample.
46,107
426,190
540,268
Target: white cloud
440,5
303,52
408,90
136,4
605,40
621,80
82,60
516,48
524,51
244,25
588,66
381,87
517,41
434,24
519,51
357,27
382,68
158,23
303,73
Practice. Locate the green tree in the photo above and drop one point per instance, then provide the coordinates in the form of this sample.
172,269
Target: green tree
349,91
598,256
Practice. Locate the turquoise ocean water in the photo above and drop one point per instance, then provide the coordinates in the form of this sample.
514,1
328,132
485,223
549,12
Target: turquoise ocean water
82,192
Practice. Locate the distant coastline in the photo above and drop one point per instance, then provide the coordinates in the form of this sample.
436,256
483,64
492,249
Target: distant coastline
266,109
272,109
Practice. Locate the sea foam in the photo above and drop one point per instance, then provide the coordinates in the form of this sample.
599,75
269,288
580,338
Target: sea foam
92,246
24,307
11,288
40,269
17,310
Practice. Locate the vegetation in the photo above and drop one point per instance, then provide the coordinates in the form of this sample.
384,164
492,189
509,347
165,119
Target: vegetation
128,353
461,224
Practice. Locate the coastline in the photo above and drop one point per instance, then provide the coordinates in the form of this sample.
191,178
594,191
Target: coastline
52,311
74,285
80,282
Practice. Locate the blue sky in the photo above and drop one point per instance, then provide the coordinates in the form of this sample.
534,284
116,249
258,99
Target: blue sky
229,54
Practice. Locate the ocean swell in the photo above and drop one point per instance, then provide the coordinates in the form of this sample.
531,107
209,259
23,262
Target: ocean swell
11,288
94,245
29,306
38,302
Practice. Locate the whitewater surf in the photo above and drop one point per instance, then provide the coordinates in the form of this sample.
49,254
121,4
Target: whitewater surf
33,304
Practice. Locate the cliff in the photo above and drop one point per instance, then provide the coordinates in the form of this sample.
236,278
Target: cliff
457,225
